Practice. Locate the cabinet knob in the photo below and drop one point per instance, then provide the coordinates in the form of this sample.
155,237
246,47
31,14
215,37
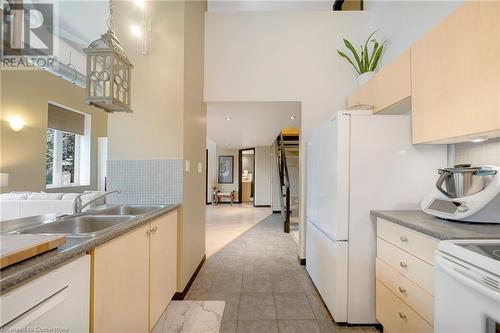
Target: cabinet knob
402,290
154,230
403,264
402,315
404,239
148,233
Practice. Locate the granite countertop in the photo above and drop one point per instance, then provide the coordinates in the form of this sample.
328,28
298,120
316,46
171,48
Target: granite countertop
17,274
439,228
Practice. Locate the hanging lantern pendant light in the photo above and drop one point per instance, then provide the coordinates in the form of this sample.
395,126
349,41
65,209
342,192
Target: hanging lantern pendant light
108,72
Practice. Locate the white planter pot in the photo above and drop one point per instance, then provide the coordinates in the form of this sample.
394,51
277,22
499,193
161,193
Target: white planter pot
365,77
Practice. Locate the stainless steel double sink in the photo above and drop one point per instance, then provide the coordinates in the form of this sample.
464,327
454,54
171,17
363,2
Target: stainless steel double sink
92,222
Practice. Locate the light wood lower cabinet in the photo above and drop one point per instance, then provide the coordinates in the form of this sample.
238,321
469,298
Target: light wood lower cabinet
135,277
163,273
404,278
414,242
395,315
121,284
411,267
408,291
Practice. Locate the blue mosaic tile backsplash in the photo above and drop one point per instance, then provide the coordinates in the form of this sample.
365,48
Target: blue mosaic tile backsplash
145,181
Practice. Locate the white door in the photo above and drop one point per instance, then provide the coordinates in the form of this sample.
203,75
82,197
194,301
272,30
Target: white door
327,266
333,173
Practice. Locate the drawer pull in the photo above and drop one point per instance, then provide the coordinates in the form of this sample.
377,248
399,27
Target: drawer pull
402,315
402,290
404,239
403,264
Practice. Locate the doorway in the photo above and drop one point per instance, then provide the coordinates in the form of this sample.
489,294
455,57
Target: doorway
246,176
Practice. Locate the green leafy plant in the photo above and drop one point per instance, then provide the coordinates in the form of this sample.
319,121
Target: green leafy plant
364,61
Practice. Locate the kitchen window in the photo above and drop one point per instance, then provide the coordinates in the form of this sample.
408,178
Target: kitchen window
68,142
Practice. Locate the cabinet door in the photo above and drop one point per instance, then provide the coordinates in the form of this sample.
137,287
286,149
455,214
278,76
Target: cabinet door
163,268
392,86
121,284
456,76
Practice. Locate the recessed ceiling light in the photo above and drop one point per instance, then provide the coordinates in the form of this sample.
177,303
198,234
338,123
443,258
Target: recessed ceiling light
139,3
227,118
136,30
477,140
292,118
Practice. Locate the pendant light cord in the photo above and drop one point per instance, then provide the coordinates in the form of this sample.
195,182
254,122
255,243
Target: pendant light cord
110,18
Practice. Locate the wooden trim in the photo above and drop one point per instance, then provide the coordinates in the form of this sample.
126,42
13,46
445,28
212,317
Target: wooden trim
179,296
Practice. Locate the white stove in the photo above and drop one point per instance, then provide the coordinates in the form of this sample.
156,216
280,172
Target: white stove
467,293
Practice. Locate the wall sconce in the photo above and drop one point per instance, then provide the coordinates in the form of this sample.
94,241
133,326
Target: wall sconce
4,179
16,123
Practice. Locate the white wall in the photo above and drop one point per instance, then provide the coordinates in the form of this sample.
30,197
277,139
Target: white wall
484,153
403,22
282,56
262,176
212,167
291,56
268,5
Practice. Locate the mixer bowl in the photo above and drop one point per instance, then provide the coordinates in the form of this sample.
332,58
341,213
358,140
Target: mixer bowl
464,180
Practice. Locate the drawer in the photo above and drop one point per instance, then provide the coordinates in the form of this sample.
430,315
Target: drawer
415,269
417,298
395,315
414,242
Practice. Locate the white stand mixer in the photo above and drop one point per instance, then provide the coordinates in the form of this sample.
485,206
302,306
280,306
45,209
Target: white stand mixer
472,194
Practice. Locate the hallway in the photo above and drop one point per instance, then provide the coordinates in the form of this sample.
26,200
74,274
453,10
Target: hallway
224,223
264,287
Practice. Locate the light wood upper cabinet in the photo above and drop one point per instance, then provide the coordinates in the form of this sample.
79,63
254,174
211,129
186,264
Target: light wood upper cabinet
163,273
391,87
121,284
388,89
456,76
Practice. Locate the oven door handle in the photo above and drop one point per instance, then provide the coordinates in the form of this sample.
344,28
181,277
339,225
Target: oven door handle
465,277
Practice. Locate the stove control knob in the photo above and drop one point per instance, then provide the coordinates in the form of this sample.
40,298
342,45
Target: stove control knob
462,208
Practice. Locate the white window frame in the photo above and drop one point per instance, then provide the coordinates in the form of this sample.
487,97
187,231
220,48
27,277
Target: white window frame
82,155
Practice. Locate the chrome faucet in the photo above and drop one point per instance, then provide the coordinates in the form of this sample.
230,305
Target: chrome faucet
77,203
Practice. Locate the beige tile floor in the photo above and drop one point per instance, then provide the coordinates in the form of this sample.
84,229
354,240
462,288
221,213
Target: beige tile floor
224,223
264,287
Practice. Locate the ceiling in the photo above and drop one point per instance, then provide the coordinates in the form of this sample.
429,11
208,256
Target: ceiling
252,123
82,21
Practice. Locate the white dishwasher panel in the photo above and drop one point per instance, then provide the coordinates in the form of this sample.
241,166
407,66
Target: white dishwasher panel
57,301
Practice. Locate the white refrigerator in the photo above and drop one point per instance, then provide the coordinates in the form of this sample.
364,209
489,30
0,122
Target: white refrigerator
358,162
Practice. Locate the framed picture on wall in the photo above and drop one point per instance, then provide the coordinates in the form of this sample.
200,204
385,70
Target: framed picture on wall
226,164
